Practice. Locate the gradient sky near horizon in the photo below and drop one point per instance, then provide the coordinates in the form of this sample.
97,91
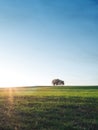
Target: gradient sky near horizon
45,39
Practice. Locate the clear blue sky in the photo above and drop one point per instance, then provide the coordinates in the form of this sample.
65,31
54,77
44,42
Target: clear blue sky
45,39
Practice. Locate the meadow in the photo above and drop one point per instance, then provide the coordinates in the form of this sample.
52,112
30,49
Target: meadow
49,108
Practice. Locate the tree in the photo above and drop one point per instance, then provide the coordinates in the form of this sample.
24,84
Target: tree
57,82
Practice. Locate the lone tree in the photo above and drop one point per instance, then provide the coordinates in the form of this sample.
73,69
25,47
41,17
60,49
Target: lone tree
57,82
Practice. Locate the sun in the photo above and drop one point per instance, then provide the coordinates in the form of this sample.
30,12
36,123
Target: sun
10,78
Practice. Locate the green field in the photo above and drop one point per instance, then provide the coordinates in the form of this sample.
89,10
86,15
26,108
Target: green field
49,108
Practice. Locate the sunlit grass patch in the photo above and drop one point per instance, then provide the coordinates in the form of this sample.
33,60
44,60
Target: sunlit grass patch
49,108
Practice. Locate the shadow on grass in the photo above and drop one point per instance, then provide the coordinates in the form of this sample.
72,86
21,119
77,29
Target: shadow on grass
76,87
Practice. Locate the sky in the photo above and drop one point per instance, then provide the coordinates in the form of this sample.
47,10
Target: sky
41,40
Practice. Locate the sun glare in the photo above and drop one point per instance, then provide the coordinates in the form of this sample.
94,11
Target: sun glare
10,78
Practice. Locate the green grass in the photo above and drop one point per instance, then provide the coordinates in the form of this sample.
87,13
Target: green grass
49,108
